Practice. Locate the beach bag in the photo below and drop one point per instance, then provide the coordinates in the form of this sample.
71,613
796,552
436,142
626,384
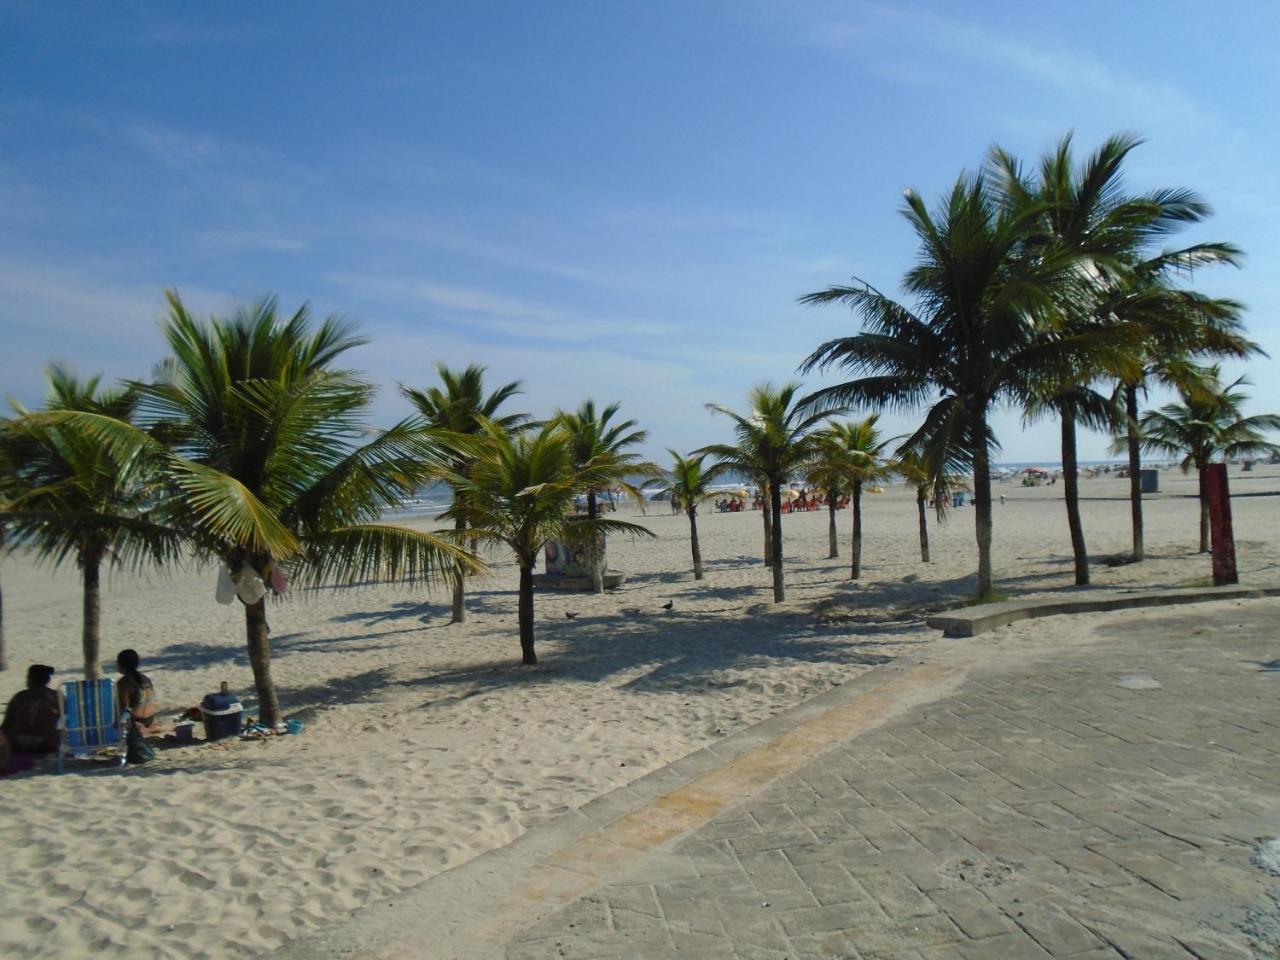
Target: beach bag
137,750
249,586
226,590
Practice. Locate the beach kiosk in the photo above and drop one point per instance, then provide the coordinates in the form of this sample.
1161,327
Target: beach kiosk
568,566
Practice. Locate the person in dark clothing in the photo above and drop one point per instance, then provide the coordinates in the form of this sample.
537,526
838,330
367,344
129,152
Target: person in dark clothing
31,718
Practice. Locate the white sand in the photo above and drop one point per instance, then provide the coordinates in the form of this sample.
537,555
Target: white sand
427,744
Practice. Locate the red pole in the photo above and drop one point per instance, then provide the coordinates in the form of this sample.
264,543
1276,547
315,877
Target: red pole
1221,537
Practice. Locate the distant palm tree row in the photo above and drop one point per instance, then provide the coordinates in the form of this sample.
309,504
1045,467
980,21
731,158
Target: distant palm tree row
1048,291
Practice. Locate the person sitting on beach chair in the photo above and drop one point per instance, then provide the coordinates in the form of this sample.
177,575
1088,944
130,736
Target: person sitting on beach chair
137,696
31,719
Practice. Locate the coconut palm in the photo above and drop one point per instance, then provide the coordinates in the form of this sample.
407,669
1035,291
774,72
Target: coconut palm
1086,209
826,471
1207,424
976,336
1177,328
73,498
271,468
456,406
689,486
930,482
597,441
858,449
519,492
772,441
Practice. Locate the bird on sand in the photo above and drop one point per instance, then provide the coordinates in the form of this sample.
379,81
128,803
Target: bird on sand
669,605
569,614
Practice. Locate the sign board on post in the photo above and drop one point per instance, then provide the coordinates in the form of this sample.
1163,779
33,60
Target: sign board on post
1221,538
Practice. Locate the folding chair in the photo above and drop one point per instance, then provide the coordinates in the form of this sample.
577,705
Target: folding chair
91,720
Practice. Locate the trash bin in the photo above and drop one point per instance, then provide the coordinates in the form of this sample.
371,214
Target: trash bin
222,714
1149,481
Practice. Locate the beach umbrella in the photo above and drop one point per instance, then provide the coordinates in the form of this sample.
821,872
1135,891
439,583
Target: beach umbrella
789,494
741,492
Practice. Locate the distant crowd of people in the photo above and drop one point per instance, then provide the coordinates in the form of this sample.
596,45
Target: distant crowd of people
804,502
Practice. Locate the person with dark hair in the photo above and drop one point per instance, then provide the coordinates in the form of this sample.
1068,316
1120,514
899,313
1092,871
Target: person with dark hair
31,719
137,696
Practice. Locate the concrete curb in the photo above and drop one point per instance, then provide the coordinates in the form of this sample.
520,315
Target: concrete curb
971,621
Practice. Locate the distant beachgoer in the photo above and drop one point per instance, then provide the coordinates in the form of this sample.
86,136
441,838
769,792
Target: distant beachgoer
31,718
137,695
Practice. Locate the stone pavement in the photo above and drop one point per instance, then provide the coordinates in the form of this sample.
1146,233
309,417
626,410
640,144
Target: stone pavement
1104,800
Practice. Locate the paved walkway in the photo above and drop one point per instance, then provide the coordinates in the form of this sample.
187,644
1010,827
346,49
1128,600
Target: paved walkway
1103,801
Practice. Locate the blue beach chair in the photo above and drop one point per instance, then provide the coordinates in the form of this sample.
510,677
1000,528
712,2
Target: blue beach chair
91,720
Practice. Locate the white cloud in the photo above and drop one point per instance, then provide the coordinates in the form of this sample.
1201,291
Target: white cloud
500,313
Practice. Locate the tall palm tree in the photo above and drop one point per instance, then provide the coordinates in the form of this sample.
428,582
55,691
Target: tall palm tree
598,443
1178,328
1086,209
976,336
772,441
457,406
1205,425
73,498
519,492
270,467
857,447
689,486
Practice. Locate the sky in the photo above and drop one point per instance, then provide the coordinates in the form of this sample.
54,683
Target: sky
611,200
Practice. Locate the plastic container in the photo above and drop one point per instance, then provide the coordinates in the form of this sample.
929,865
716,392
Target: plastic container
222,714
295,727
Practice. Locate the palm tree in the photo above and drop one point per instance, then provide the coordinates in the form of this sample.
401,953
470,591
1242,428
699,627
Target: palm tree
1086,210
976,337
773,440
519,491
826,472
930,483
857,448
1178,327
456,407
689,486
599,444
1205,425
75,499
270,467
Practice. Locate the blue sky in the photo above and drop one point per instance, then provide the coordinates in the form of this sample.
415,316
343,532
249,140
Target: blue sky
600,199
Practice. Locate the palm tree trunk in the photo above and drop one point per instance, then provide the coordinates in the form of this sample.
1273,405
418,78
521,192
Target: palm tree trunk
4,657
1135,469
91,621
693,540
258,638
855,567
982,501
767,513
924,527
1204,508
775,503
594,557
526,612
833,541
1071,492
459,583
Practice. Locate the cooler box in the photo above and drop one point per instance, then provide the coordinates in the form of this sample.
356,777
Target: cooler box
222,713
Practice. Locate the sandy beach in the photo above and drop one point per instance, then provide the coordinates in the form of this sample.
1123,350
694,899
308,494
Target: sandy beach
426,744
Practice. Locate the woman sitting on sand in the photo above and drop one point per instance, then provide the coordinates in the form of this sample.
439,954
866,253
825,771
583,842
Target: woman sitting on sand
31,719
137,695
